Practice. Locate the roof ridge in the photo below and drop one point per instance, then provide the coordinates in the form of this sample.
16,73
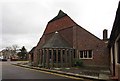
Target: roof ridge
60,15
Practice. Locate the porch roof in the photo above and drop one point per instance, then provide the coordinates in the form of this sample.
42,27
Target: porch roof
56,41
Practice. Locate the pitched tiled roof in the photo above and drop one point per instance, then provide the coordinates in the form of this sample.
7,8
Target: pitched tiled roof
61,21
56,41
60,15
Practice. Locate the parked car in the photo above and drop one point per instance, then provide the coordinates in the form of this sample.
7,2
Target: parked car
3,59
14,59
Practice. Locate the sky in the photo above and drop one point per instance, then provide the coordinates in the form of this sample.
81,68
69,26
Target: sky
22,22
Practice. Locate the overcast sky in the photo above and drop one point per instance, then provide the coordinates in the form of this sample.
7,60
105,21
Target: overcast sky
22,22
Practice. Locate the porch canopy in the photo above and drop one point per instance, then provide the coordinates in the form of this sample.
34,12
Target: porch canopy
56,52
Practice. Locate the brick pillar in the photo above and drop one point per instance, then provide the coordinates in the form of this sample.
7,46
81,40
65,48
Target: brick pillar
52,62
75,44
56,57
70,58
43,58
77,53
61,58
38,56
47,59
66,58
40,61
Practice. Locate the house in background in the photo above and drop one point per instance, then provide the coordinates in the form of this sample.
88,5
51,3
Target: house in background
114,46
64,40
8,53
1,55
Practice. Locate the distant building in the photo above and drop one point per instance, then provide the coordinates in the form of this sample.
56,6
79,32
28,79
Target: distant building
63,41
114,46
6,54
1,55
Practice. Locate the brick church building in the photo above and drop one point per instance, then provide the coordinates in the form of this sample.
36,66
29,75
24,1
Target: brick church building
64,40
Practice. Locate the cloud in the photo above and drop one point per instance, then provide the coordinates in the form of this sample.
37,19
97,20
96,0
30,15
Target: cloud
19,19
27,40
22,22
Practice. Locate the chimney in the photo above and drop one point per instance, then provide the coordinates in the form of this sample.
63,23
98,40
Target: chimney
105,34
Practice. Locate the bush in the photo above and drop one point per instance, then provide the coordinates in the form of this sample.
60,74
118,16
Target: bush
78,62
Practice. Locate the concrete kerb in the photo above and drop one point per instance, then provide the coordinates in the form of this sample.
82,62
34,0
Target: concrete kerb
61,72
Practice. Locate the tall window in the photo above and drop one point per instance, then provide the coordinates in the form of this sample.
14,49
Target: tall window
50,53
59,56
63,52
54,55
85,54
74,53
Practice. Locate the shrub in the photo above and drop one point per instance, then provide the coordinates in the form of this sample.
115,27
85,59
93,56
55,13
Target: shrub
78,62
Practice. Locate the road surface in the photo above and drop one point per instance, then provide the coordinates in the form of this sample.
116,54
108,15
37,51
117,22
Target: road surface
14,72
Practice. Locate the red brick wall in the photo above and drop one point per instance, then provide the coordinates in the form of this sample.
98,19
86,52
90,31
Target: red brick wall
41,41
67,34
59,24
35,57
87,41
38,47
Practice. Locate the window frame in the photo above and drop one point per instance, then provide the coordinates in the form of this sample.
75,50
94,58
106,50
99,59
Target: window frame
85,52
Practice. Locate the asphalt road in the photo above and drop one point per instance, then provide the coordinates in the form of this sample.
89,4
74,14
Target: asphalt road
13,72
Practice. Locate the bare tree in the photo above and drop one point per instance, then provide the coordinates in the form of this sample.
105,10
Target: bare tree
14,50
15,46
10,51
8,48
